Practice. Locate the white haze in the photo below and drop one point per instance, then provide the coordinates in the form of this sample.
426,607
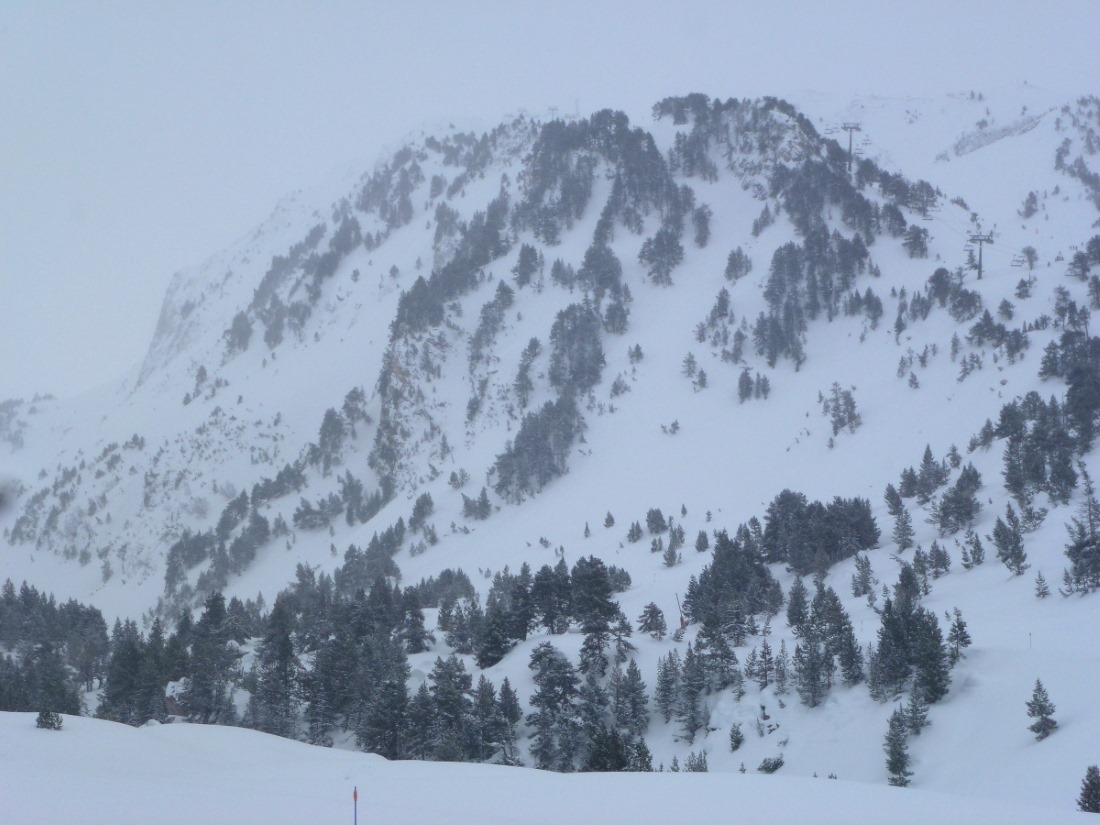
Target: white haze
137,138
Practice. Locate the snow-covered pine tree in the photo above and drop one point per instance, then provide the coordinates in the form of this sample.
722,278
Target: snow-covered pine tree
48,720
903,530
1041,709
1089,800
737,737
958,637
1009,540
1042,589
897,750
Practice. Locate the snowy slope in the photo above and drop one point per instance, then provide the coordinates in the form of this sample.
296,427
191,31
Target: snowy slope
234,775
259,409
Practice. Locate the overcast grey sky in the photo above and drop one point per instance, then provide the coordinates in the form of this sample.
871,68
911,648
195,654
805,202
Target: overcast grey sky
136,138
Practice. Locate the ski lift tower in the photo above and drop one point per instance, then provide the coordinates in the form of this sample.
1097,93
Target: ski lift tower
850,128
979,240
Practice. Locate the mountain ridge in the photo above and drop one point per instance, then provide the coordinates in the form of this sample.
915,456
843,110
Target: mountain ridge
442,355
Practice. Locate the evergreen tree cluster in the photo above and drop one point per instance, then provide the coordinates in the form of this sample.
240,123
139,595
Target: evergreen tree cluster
588,724
811,278
1083,549
826,641
735,587
944,289
540,450
921,484
277,313
811,536
601,276
227,552
750,388
576,356
484,239
911,652
56,651
1039,448
242,530
490,322
362,568
358,645
529,262
561,167
840,408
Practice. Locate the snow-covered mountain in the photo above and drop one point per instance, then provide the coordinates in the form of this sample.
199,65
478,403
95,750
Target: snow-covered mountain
550,330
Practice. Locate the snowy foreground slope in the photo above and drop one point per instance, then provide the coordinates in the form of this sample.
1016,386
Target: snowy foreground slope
102,772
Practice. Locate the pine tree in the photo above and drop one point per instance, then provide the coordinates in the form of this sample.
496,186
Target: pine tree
1009,541
607,752
1089,800
212,666
451,691
916,713
1042,589
383,720
652,621
863,579
696,762
620,634
894,504
414,632
737,738
798,611
1083,549
668,684
152,678
273,707
813,670
716,657
419,740
488,723
510,711
930,477
691,710
782,669
554,718
593,654
593,707
50,720
752,665
119,700
930,657
875,687
765,665
848,652
1041,709
958,637
629,702
939,560
702,542
592,605
973,552
903,531
897,750
641,760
